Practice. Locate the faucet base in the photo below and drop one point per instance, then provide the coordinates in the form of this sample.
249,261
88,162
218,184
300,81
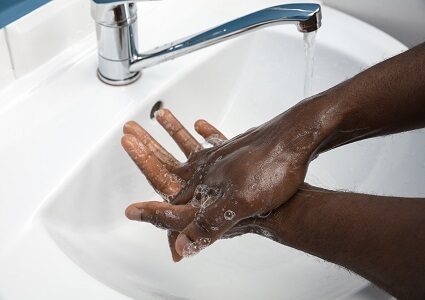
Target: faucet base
121,82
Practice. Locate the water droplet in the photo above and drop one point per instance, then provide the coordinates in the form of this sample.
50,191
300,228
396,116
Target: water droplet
229,215
204,196
204,242
193,248
170,214
190,249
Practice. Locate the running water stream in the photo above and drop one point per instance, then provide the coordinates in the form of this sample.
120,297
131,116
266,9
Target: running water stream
309,47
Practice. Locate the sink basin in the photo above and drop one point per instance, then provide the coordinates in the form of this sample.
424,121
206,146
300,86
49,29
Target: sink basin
242,84
77,238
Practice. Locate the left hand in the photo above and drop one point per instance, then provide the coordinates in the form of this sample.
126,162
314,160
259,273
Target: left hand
164,172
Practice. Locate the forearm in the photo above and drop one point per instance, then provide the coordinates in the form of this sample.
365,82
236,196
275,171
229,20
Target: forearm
387,98
380,238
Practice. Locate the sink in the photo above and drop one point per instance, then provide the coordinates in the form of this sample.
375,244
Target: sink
240,85
80,227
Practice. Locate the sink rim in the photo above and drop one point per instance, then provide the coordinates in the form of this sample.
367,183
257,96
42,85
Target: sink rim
108,139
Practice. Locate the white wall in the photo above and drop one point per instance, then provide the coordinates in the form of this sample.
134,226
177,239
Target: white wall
403,19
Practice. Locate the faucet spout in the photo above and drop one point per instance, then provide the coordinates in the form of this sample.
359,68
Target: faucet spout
120,62
307,17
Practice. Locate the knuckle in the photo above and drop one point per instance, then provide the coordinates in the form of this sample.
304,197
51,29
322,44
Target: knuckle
155,217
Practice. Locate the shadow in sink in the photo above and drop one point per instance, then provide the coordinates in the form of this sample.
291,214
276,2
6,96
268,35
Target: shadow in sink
244,84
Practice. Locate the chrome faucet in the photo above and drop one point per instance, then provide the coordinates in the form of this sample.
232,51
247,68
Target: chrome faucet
121,63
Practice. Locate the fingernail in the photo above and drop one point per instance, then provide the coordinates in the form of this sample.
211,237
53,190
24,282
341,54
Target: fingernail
197,125
133,213
127,127
128,142
182,244
177,258
159,113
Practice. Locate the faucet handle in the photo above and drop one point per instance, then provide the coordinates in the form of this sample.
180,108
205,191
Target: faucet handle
115,12
117,34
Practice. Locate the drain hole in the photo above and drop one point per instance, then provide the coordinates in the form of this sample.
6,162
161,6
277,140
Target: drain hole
157,106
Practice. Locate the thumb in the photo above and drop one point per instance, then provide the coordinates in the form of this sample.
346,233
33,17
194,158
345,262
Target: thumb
208,226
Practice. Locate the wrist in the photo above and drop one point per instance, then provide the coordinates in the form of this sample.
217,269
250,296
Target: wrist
293,224
329,117
317,120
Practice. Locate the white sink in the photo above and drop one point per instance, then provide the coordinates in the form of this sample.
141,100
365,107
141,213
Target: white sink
235,85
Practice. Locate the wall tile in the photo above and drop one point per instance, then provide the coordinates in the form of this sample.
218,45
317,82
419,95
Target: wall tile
6,71
45,32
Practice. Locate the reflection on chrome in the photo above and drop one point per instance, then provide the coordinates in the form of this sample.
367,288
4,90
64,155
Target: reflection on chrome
121,63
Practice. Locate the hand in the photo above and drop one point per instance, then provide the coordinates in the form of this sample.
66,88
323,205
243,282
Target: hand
177,217
245,177
162,170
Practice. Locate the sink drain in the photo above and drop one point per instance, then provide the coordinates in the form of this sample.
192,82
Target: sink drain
157,106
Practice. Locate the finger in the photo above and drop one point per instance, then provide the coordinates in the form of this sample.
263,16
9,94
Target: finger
185,195
194,189
187,143
161,214
160,178
235,232
211,134
172,236
209,225
163,155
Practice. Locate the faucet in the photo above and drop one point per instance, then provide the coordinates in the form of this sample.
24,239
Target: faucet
121,63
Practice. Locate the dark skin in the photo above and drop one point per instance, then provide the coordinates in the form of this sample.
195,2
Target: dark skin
212,200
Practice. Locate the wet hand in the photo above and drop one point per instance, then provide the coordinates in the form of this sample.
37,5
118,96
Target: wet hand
162,170
238,179
175,218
